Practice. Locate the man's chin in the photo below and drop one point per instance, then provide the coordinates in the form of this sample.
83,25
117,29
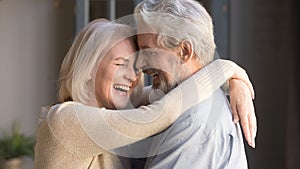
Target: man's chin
165,88
160,80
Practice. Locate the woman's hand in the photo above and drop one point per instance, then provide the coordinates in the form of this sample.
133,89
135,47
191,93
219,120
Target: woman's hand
242,106
241,95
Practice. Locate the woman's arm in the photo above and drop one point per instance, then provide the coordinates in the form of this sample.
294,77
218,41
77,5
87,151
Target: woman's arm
241,96
110,129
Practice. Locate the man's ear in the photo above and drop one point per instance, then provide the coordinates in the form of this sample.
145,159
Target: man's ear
186,50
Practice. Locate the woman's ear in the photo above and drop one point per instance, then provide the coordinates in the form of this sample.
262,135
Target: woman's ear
186,50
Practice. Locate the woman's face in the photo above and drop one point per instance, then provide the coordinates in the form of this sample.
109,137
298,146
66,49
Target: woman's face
115,77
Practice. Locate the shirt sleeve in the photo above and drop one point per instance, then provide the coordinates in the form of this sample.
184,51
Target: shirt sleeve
109,129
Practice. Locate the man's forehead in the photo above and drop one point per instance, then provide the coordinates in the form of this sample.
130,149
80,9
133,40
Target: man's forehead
144,28
147,35
147,40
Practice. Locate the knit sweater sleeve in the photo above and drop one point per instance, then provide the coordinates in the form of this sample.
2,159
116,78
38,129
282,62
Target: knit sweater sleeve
109,129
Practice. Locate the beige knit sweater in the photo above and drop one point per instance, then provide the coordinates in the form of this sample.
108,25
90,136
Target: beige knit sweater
74,136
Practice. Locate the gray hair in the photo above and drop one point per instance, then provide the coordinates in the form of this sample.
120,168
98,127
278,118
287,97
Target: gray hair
79,67
179,20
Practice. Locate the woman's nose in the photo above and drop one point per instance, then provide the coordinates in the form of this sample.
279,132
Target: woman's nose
131,74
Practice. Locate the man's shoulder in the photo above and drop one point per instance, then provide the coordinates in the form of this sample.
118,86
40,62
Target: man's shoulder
205,117
215,105
197,135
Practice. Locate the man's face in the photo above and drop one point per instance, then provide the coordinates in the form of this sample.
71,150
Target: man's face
161,63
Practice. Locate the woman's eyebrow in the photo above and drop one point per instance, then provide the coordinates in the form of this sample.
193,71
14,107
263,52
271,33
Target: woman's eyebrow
121,58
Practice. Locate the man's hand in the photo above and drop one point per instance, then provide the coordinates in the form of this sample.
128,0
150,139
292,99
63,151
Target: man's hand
243,109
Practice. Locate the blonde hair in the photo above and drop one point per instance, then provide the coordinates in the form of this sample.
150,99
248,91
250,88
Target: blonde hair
79,67
177,20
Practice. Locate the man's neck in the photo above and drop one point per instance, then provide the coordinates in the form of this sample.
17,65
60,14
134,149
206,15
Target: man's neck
191,67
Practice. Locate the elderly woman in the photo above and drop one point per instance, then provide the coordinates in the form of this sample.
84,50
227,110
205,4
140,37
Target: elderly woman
97,77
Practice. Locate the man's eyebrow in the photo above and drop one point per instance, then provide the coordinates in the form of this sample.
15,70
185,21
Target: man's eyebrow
144,46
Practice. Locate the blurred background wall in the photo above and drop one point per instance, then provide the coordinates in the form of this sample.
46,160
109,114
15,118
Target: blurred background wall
34,37
264,39
261,36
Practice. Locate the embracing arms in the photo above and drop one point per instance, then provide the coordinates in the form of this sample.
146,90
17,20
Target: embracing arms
110,129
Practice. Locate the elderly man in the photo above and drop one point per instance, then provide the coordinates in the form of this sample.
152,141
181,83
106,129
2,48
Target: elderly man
176,40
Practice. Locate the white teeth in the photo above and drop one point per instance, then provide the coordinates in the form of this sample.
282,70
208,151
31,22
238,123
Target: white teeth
122,88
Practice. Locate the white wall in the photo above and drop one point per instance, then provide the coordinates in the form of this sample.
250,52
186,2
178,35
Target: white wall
34,37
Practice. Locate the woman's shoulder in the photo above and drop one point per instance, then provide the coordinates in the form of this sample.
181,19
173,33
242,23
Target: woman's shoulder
60,118
58,110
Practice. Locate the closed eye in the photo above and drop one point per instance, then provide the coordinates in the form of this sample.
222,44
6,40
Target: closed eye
120,61
120,64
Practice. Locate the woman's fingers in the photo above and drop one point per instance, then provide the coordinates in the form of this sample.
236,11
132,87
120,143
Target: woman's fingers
253,127
246,129
243,109
234,112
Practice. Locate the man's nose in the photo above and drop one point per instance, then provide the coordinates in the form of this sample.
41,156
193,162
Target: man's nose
140,62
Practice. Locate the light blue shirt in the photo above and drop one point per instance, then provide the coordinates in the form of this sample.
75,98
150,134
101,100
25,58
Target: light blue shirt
204,137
